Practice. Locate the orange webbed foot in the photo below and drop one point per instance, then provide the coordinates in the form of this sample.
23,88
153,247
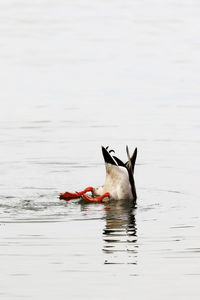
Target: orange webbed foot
94,199
70,196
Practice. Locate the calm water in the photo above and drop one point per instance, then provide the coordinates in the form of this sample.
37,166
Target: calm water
76,75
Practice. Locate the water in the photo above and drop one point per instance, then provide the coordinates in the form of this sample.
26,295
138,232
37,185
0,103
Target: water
76,75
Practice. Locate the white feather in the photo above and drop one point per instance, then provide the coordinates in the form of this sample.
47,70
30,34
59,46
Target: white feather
116,183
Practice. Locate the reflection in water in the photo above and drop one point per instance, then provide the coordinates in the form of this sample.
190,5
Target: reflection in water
120,233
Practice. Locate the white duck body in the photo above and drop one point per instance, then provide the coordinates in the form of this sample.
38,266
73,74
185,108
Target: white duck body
117,183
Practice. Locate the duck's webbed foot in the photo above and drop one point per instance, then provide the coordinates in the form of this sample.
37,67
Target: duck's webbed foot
69,196
94,199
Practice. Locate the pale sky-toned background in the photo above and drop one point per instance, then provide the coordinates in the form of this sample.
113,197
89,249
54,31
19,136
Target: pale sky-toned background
75,75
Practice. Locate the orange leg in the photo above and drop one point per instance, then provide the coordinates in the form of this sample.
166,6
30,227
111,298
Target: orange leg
94,199
69,196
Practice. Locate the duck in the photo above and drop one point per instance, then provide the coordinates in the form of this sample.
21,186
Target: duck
119,182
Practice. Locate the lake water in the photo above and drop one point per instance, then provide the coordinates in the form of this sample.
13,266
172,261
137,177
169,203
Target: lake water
76,75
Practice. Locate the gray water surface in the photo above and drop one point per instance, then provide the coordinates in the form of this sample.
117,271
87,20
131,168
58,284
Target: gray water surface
76,75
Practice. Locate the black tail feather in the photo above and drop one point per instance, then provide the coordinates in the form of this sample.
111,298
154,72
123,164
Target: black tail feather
107,157
133,158
131,163
130,167
119,162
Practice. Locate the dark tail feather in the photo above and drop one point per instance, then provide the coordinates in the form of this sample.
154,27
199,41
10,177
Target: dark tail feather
131,160
130,167
107,157
119,162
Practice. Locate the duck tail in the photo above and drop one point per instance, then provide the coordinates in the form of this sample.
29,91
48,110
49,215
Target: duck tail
131,159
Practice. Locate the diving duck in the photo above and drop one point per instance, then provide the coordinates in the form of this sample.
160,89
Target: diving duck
119,183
